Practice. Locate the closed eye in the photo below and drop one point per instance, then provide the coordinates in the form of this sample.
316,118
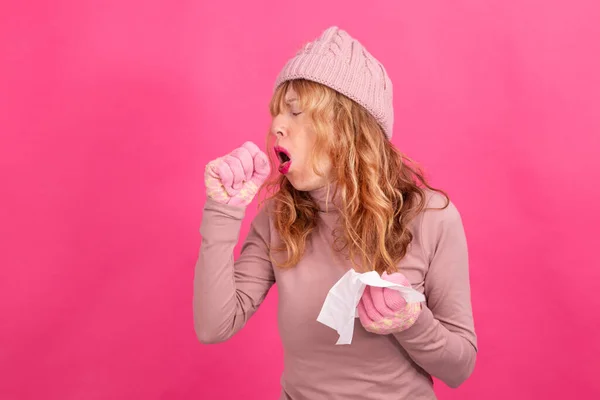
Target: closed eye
295,114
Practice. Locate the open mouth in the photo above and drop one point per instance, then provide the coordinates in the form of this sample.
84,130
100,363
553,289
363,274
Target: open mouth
284,158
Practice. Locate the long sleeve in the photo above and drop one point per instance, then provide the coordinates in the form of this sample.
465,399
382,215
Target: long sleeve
443,340
228,292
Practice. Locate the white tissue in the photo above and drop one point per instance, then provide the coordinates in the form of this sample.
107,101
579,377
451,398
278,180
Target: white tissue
340,306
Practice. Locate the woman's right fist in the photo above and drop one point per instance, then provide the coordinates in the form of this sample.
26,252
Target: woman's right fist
235,178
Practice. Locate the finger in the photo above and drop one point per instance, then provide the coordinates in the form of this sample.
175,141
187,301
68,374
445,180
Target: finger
226,177
211,175
262,168
246,160
237,171
370,308
379,301
393,300
211,169
252,148
363,316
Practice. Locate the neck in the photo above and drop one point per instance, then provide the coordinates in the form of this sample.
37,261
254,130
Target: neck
325,198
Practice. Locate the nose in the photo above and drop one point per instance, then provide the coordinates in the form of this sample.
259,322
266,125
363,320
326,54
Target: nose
278,127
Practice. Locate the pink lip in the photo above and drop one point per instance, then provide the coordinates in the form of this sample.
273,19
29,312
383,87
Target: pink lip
285,166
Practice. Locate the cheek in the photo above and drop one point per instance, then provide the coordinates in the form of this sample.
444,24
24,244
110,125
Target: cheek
303,142
317,153
325,165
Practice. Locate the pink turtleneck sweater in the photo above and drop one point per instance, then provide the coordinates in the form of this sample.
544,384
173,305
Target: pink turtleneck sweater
442,343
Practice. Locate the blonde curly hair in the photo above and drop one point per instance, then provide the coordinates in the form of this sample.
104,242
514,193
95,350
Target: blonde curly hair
380,190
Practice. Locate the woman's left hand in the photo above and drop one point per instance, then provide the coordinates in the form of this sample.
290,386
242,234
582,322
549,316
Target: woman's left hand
384,311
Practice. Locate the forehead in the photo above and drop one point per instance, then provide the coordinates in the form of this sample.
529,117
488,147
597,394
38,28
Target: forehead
291,95
285,97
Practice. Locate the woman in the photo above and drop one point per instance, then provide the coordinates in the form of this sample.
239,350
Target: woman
343,198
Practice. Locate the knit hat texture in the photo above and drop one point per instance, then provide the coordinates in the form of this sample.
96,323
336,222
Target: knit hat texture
338,61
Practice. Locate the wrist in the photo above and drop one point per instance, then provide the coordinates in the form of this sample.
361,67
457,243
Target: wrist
421,325
225,209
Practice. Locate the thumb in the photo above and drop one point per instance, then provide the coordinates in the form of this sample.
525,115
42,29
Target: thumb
262,169
393,299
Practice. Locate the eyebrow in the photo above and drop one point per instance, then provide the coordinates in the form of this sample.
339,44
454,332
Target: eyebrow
289,101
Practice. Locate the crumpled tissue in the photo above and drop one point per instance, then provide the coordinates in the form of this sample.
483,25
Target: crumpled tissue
340,306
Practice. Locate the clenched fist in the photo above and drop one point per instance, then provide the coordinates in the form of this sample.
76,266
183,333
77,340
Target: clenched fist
235,178
384,311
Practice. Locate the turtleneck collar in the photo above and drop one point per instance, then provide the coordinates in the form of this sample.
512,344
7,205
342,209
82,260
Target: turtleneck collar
325,199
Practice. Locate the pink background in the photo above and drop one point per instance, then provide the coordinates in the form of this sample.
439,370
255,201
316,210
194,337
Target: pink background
109,111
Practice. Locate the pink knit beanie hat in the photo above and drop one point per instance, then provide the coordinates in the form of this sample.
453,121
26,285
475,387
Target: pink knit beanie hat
340,62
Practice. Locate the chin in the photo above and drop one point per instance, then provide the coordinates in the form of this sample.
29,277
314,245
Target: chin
305,186
300,186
